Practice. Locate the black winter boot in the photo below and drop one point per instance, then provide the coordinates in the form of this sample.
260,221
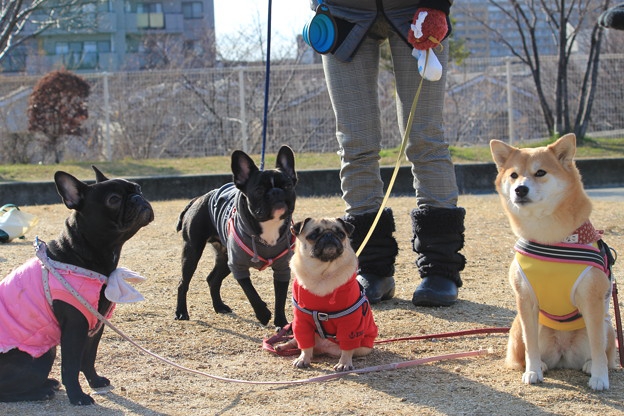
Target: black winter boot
376,272
438,238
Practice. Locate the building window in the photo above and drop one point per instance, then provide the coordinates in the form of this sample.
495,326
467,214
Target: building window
150,16
81,55
193,10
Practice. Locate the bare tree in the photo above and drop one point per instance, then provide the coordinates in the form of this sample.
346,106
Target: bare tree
573,25
21,20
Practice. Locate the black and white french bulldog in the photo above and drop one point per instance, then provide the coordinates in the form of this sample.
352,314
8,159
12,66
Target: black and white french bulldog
37,314
248,224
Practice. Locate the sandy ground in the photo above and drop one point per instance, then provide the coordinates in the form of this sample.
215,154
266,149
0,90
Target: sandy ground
230,345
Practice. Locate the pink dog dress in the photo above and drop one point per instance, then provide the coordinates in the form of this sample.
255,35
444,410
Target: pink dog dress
27,321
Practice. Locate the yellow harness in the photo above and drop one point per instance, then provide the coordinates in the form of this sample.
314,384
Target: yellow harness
554,272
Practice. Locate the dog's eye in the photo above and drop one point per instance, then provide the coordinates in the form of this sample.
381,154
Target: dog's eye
540,173
514,175
114,200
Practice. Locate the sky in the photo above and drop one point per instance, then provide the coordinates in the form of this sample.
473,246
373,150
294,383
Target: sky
287,18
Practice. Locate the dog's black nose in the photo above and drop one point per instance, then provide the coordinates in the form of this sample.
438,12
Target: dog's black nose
522,191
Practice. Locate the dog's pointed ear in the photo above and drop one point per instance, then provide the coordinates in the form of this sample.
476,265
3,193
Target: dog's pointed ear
564,148
71,190
286,162
99,176
242,168
349,228
297,227
500,152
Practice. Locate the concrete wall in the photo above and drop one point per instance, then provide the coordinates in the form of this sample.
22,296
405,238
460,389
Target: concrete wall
471,179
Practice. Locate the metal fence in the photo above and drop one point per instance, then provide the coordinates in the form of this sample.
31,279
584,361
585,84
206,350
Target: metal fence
192,113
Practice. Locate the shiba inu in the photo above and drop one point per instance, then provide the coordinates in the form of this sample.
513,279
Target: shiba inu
560,274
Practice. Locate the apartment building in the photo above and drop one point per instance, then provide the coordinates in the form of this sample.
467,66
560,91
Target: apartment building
114,35
483,43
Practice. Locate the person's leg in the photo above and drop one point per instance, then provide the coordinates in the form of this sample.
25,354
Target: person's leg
438,224
353,91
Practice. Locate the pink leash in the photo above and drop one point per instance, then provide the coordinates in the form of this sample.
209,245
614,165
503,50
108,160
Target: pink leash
40,251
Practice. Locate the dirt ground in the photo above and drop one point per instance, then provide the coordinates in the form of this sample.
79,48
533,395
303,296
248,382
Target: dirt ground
230,345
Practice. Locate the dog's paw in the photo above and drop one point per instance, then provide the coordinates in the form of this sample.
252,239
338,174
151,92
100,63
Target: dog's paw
288,345
532,377
184,316
599,377
599,383
300,363
98,382
280,322
263,315
53,384
222,308
344,367
81,399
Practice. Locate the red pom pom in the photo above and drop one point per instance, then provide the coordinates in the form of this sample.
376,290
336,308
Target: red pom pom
431,27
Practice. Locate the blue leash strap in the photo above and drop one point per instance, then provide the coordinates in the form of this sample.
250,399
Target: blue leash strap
266,89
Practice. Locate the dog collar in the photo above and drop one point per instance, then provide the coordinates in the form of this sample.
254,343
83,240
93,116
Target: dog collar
118,288
585,234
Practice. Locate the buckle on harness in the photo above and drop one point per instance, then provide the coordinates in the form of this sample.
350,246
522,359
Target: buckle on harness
322,316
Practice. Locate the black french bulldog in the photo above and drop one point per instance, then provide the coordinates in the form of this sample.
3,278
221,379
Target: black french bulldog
105,215
248,224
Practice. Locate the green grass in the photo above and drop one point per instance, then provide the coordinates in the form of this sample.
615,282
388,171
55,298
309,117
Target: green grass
589,148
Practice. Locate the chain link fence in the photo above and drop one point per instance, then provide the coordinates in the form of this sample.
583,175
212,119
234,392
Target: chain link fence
194,113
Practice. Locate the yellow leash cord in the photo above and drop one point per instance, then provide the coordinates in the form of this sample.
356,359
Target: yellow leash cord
408,129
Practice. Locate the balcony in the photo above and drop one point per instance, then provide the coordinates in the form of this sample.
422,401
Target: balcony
165,23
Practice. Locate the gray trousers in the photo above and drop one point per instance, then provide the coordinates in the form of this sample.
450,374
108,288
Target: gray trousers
353,91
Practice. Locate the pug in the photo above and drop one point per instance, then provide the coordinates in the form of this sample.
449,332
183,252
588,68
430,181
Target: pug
331,312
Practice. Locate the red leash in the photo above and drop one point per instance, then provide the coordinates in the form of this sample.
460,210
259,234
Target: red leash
448,334
618,323
284,335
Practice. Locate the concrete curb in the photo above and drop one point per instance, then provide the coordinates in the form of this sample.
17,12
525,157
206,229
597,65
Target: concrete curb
471,179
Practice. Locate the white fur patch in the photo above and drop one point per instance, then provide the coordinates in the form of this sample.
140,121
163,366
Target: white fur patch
270,230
